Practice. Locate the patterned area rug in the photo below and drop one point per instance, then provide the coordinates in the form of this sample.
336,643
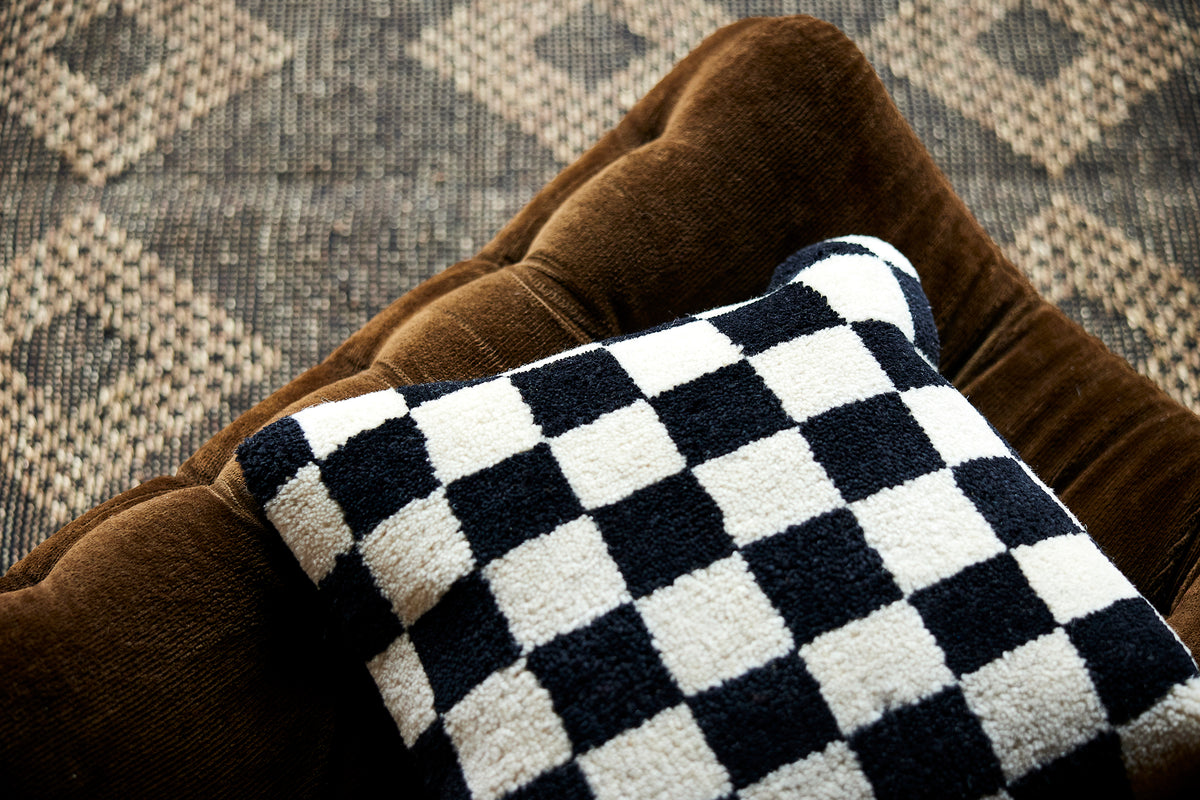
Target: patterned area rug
201,198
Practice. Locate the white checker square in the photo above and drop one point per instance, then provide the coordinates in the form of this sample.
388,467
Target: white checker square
506,733
328,426
714,624
665,359
405,688
768,485
1072,576
476,427
665,758
860,288
821,371
925,530
832,774
957,430
885,251
621,452
310,522
416,554
556,583
1163,739
1035,703
875,664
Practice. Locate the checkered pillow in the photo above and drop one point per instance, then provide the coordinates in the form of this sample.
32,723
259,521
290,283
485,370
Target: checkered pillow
762,552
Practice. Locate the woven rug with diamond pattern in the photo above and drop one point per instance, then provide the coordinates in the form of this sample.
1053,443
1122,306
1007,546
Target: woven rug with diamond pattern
201,198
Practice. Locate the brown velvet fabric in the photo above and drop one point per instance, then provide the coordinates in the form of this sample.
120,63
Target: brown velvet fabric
167,644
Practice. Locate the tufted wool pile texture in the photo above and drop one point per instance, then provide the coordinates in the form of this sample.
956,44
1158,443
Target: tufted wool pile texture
763,552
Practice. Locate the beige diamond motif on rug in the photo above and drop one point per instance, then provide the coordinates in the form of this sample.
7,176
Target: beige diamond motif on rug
213,49
494,59
1067,252
188,357
1128,50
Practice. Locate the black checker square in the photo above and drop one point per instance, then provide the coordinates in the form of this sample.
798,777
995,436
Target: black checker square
575,391
563,783
378,472
719,412
604,678
419,393
1094,769
792,311
523,496
895,355
931,749
272,456
440,771
462,640
870,445
925,335
982,612
771,716
1132,657
665,530
1019,511
821,574
363,617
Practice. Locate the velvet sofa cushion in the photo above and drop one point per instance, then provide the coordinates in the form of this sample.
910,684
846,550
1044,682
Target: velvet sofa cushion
160,645
761,548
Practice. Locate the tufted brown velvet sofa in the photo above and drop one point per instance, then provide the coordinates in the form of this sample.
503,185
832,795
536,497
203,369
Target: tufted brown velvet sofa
164,643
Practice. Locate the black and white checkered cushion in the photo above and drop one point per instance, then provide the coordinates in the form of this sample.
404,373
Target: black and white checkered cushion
761,552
